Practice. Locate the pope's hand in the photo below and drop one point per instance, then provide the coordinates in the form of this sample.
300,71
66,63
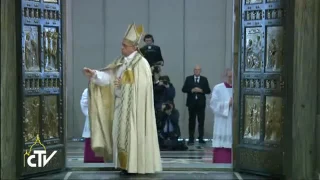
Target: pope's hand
89,72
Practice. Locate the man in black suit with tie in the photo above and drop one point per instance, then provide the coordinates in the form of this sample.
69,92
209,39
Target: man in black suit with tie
196,87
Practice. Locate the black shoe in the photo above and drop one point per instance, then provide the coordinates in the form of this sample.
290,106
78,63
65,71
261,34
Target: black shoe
201,141
190,142
125,173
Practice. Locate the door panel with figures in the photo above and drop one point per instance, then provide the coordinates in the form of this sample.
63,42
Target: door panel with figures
262,95
42,122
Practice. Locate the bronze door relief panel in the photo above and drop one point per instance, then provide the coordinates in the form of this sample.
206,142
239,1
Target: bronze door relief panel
261,89
42,82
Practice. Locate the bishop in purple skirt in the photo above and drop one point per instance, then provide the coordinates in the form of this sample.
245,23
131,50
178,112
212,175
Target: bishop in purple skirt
221,105
89,155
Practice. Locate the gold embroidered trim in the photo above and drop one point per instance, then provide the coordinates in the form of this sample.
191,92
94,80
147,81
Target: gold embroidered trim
127,77
123,159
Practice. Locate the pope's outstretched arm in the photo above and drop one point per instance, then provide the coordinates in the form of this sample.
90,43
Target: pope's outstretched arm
100,78
100,111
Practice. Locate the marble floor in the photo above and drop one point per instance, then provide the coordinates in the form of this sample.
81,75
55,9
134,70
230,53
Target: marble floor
166,175
196,158
196,163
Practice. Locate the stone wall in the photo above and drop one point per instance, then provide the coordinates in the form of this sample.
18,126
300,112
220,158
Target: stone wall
305,78
8,90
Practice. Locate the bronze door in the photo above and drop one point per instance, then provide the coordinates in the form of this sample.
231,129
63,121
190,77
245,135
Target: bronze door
262,94
41,85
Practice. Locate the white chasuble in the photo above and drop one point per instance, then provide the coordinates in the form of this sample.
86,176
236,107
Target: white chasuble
222,126
134,133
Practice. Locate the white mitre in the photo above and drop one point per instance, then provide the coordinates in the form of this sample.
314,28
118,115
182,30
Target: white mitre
134,34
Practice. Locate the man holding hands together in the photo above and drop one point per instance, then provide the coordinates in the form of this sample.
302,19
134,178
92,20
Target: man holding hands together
196,87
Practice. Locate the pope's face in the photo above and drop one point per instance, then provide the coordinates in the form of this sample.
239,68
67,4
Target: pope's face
127,48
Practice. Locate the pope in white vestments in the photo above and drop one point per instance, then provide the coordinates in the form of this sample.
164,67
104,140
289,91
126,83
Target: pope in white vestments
121,110
221,105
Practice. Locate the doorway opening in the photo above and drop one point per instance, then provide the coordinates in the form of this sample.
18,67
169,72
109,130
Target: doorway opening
260,73
198,156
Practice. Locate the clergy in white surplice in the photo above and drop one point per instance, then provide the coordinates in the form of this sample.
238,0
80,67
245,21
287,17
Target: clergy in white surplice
121,110
221,105
89,156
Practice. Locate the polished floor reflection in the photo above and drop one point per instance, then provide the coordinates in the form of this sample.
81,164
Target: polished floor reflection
197,157
212,175
196,163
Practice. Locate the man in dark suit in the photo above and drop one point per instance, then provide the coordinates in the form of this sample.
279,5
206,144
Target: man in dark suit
196,87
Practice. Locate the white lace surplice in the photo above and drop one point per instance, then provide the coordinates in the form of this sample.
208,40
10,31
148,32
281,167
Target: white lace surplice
84,109
222,126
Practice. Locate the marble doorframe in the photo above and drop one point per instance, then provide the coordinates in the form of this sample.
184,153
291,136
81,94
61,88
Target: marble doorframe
318,110
64,38
67,63
9,88
318,120
235,85
304,115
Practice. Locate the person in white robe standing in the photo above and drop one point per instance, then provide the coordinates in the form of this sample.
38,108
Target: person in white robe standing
221,105
89,156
